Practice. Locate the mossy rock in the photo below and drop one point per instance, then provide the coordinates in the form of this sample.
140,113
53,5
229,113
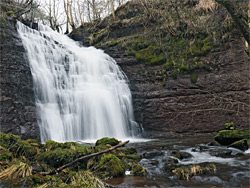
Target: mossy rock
35,143
129,151
23,148
6,156
17,146
51,145
138,170
110,166
106,140
227,137
58,157
7,140
171,164
134,157
181,155
241,145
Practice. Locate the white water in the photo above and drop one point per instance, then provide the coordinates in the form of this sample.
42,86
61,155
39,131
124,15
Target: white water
80,92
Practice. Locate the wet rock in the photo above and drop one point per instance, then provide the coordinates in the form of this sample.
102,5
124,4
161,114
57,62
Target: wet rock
153,162
181,155
221,153
16,91
152,154
228,137
241,144
138,170
171,164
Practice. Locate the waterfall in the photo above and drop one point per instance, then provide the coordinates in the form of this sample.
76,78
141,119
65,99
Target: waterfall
80,92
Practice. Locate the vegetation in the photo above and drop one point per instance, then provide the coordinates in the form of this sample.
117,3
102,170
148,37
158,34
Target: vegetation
178,39
233,137
25,161
187,172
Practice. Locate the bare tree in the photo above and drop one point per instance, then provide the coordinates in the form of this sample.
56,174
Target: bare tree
113,8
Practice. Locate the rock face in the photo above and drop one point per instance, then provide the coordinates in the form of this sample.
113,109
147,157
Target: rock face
18,111
193,102
182,107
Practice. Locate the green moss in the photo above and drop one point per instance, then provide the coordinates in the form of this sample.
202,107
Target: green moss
110,166
58,157
34,143
227,137
51,145
150,56
129,151
7,140
138,170
230,126
98,36
175,74
194,78
106,140
6,156
135,157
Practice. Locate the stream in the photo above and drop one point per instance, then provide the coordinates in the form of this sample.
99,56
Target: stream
232,165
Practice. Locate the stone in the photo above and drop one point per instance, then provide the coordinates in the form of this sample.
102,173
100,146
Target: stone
106,140
152,154
228,137
241,145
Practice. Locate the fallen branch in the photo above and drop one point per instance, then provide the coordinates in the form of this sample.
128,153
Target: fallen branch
82,158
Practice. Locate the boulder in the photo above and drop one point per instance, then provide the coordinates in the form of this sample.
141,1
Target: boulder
241,144
227,137
106,140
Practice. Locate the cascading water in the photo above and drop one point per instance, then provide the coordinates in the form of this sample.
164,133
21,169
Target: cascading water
80,92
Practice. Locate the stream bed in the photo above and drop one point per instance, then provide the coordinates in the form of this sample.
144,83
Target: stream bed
232,165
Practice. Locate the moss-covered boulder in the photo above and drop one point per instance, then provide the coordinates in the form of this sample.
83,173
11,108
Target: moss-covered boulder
227,137
181,155
106,140
61,156
138,170
110,166
241,144
129,151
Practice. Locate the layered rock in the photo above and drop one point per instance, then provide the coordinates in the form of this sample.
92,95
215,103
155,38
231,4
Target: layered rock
18,111
194,83
181,106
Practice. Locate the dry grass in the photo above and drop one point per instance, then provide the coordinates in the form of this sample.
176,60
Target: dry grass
18,170
86,179
187,173
206,5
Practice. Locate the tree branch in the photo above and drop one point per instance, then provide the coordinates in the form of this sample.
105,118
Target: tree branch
82,158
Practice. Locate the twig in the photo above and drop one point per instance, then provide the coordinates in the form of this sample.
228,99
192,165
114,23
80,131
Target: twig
82,158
